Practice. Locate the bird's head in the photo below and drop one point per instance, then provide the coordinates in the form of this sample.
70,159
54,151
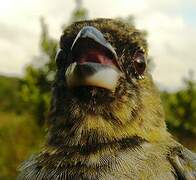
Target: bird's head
103,91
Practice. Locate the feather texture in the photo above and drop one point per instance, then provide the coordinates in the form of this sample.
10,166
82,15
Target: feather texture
98,134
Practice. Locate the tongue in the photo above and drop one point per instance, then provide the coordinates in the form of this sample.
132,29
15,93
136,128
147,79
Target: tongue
96,56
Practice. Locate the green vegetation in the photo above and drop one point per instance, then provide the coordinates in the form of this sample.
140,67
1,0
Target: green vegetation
36,84
19,137
180,108
9,96
25,102
180,112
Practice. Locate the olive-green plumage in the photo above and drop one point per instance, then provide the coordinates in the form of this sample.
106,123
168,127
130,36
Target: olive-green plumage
95,133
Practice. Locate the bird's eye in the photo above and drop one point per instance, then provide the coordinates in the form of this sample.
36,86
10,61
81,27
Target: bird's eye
139,64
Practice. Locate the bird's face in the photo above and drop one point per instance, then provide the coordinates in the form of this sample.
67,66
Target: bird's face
102,76
100,65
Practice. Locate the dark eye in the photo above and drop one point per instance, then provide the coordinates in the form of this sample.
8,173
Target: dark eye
139,64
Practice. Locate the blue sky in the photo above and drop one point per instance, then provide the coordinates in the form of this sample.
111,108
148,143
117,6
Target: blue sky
171,25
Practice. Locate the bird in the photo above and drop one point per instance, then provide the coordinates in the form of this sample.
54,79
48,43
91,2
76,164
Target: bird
106,120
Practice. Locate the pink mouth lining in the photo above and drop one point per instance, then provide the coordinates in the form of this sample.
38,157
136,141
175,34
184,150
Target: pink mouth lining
89,51
96,56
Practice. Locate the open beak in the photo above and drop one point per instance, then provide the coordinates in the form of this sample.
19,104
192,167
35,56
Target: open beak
94,61
95,35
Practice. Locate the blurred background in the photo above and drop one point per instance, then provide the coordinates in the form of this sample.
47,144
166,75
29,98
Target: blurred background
29,35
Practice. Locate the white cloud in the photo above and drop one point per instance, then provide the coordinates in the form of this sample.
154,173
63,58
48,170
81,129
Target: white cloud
172,38
172,42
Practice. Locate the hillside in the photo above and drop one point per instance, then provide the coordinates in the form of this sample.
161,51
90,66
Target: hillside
20,136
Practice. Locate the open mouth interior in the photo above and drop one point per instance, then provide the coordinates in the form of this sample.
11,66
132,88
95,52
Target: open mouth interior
87,50
94,61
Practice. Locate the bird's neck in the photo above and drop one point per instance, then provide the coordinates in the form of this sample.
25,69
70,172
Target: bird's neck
82,126
95,132
96,146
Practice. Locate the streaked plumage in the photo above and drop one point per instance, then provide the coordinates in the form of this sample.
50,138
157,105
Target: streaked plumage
100,133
